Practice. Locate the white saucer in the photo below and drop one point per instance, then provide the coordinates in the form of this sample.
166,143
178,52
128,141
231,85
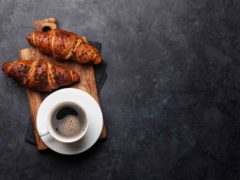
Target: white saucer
91,108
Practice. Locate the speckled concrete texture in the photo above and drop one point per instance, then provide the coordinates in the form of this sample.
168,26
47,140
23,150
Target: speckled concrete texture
171,101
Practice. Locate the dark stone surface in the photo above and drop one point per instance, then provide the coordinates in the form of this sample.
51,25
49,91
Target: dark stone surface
171,102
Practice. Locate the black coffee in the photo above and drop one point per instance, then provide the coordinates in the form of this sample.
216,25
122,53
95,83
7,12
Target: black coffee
66,111
68,121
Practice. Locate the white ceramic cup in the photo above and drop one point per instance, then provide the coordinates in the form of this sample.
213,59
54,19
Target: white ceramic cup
67,123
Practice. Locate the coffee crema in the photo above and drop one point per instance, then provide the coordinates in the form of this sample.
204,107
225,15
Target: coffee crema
69,126
68,121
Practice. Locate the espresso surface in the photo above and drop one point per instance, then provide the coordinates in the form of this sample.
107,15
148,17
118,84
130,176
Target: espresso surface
68,126
66,111
68,120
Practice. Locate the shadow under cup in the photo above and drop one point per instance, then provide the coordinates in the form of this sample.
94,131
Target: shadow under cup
68,122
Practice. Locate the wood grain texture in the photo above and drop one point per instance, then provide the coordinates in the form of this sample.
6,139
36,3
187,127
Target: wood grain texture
86,73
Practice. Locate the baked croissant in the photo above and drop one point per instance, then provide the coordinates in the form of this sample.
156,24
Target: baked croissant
64,46
40,75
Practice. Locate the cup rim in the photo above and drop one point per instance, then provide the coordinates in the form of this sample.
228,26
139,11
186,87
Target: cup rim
59,138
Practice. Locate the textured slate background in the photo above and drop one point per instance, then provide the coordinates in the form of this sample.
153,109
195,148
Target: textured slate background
171,101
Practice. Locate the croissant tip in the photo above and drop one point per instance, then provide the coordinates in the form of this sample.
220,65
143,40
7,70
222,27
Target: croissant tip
28,37
97,60
5,66
76,77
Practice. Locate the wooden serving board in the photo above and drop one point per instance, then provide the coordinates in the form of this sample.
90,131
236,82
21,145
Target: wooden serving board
86,73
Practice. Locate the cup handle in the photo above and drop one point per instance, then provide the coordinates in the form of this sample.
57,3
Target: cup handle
43,133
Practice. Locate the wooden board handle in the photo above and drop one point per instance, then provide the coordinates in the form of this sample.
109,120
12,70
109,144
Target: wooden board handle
45,24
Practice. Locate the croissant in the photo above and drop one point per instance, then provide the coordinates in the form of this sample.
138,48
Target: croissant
40,75
64,46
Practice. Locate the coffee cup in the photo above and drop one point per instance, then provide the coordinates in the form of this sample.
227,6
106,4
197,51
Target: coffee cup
67,122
